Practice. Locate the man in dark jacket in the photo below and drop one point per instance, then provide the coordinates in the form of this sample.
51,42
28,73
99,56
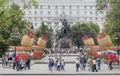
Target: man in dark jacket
28,62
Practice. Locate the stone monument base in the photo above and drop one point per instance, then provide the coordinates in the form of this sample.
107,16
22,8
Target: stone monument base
64,43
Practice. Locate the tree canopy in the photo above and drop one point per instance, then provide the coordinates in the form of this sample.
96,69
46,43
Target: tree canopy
82,29
44,29
112,22
11,22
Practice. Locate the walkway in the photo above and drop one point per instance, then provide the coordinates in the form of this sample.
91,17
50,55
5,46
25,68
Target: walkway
69,68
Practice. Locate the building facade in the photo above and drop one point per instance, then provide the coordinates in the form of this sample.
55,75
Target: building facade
50,11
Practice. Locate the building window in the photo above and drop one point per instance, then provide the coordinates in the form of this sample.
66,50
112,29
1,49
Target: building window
63,12
96,13
35,12
70,12
30,18
35,18
56,7
91,18
77,6
41,18
48,6
77,18
85,7
48,18
70,7
77,12
49,23
56,23
85,12
96,18
91,12
56,12
91,7
29,12
41,7
63,7
102,18
35,24
41,12
49,12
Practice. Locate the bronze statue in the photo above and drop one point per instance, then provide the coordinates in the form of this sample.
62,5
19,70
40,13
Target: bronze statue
65,30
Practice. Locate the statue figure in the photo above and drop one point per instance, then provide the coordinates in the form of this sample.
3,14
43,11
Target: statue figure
65,30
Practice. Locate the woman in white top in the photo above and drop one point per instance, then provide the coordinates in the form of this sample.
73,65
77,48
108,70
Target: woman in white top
94,64
77,62
62,65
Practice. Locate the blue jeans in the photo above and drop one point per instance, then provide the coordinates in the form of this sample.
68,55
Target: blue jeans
77,67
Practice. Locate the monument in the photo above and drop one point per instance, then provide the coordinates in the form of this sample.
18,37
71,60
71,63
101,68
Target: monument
65,32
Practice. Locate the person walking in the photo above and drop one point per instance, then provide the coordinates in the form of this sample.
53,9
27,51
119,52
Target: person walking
77,62
28,62
84,62
62,65
94,64
55,63
3,61
98,63
21,63
51,64
110,64
6,60
59,64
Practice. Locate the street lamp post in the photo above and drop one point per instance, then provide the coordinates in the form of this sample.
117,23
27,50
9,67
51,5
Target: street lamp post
14,37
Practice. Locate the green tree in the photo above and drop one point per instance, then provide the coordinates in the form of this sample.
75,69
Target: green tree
4,13
112,21
105,4
81,29
18,26
43,29
11,22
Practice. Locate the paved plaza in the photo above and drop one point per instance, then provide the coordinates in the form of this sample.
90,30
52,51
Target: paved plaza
38,67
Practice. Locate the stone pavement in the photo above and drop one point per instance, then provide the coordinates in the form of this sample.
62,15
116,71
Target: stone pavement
43,69
69,68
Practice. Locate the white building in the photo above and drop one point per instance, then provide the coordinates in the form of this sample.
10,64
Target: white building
49,11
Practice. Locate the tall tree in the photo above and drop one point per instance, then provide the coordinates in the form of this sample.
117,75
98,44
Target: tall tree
43,29
81,29
105,4
10,22
4,23
112,21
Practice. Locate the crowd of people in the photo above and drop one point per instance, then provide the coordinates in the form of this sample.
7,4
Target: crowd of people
6,59
82,63
18,62
56,64
93,64
66,51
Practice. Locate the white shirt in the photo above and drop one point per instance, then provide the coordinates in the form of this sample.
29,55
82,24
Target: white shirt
77,62
94,61
62,63
58,64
